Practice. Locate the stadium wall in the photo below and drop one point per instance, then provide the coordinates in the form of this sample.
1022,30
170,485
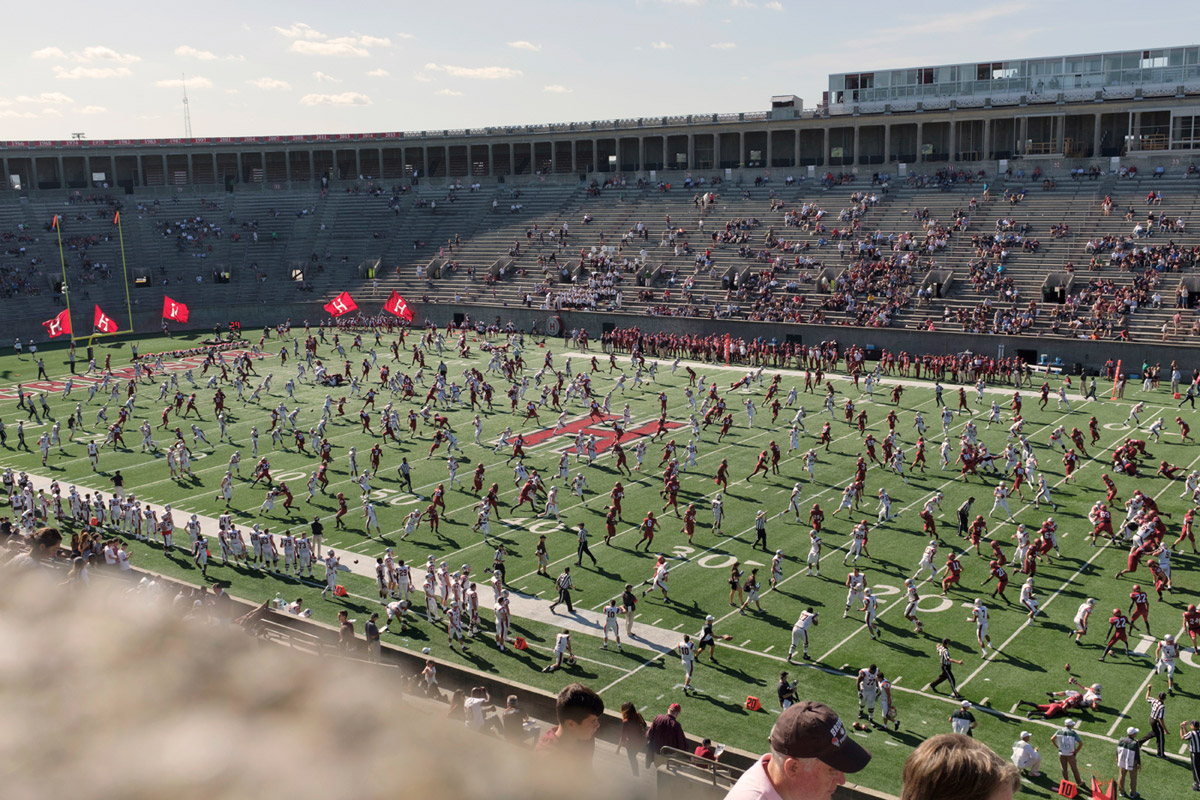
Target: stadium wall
1071,354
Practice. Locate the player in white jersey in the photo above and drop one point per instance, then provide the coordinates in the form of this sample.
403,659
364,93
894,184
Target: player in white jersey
612,614
1000,493
304,555
870,609
911,598
1164,660
810,463
776,569
808,619
454,626
1042,493
1082,615
867,684
945,452
927,557
858,540
1029,598
885,507
886,707
855,583
979,615
814,553
687,656
718,512
562,651
397,609
331,568
794,502
432,613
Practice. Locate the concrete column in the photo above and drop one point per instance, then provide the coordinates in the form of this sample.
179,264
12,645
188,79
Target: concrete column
987,140
887,144
1023,136
1096,137
357,162
312,168
920,150
379,161
741,162
857,159
239,177
641,165
595,155
1136,129
215,177
424,162
796,147
770,149
952,141
691,152
62,173
1060,133
553,158
825,147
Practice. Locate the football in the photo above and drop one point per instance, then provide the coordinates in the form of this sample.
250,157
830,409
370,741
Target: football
425,650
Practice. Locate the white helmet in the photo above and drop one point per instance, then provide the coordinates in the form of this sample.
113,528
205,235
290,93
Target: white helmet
978,602
1029,581
933,542
1170,637
709,618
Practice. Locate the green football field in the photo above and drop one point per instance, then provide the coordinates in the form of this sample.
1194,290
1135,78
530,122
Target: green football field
1030,659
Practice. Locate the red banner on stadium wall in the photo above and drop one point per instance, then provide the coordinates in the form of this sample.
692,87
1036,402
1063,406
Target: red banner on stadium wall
342,304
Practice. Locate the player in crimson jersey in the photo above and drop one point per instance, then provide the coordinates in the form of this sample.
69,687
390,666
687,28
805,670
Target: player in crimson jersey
998,572
1191,622
1139,607
953,572
1118,626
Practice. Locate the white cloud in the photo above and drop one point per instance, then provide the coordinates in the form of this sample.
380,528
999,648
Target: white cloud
378,73
299,30
343,99
523,45
57,98
449,93
684,2
189,51
76,73
557,88
342,46
88,55
270,84
98,53
321,76
774,5
482,73
723,45
374,41
661,45
51,112
93,110
404,36
8,113
742,4
179,83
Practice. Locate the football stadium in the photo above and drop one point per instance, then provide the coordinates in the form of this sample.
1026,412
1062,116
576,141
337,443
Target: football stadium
730,410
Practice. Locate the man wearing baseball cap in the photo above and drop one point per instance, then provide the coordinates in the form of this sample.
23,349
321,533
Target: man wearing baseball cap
1129,761
811,753
1025,756
665,731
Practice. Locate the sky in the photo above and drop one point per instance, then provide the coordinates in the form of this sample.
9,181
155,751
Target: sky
117,70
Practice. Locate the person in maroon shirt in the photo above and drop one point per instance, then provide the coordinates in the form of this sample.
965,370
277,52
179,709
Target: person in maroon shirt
579,710
665,731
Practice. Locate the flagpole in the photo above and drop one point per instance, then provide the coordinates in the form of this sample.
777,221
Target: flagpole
124,271
63,260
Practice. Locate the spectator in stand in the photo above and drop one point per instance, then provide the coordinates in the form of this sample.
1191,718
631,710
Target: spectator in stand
518,728
633,734
665,731
705,751
579,710
477,720
811,754
951,766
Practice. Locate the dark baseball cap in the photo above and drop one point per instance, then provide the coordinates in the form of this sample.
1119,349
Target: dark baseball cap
813,730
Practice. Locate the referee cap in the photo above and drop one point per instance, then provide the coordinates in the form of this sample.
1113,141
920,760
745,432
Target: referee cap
1131,731
1070,723
1024,734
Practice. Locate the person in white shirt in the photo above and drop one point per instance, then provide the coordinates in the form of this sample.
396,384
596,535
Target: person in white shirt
1026,757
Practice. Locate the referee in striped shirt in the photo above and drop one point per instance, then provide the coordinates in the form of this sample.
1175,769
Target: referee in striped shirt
1158,728
943,651
565,585
1190,733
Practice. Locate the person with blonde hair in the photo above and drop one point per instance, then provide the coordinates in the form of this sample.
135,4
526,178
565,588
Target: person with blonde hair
952,766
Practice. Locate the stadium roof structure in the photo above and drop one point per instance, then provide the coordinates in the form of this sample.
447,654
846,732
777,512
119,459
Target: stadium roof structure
1171,66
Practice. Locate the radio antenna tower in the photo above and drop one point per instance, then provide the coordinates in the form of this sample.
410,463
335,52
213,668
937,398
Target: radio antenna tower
187,114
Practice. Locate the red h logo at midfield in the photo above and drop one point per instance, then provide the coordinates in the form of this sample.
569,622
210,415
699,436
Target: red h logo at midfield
605,435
